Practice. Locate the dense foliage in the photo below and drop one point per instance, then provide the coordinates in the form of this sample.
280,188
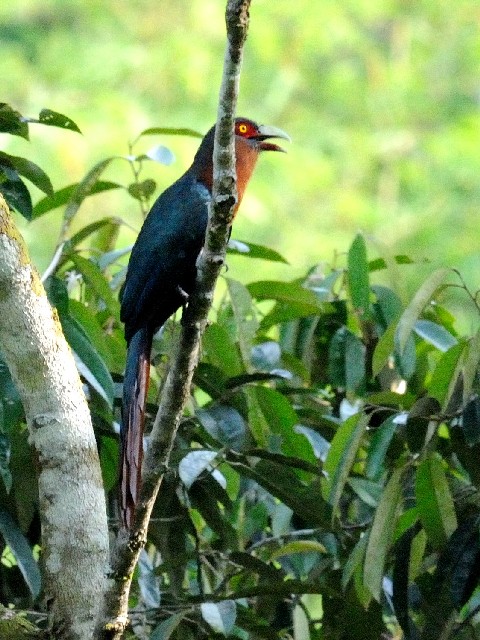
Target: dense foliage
324,482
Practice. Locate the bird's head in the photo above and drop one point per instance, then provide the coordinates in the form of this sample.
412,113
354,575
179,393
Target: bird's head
257,135
250,139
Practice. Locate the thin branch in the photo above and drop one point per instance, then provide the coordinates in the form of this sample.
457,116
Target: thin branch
177,386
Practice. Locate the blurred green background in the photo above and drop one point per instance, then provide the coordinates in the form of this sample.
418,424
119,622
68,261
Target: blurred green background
381,99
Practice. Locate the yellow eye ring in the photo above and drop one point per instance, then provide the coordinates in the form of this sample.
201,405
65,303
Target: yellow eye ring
242,128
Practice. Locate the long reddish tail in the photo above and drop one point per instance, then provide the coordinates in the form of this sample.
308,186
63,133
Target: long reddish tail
135,387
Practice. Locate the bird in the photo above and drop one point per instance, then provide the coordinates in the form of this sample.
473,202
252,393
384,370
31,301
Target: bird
161,275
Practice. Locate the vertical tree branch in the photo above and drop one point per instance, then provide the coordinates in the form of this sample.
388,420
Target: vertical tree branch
72,503
177,386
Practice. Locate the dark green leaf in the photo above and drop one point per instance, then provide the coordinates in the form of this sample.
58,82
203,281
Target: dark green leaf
358,279
418,421
381,534
142,190
380,263
54,119
20,548
400,583
62,196
434,501
12,122
165,629
346,360
5,451
471,421
15,192
28,170
250,250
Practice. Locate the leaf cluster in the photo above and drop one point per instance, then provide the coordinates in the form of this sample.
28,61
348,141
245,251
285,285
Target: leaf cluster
324,483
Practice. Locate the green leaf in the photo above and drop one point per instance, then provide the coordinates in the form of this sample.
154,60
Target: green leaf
167,627
470,365
28,170
15,192
290,292
298,546
434,501
245,318
380,263
358,279
85,188
220,351
411,314
435,334
20,548
170,131
94,370
142,190
384,349
109,462
379,443
445,374
12,122
346,360
257,423
281,419
471,421
341,457
355,559
62,196
381,534
250,250
96,280
55,119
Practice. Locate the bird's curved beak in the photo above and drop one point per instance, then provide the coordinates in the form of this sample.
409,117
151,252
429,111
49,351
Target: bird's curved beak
265,132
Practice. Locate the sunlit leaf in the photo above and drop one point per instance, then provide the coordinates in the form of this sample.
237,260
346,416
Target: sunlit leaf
220,616
341,457
250,250
411,314
435,334
358,278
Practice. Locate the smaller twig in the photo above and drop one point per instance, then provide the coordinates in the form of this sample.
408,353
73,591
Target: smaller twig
54,262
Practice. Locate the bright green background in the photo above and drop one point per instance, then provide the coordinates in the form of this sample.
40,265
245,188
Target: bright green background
381,99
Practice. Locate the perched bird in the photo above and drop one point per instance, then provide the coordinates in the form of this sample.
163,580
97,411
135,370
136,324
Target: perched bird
161,275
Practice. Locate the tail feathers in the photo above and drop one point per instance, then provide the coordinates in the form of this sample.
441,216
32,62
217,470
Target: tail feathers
135,387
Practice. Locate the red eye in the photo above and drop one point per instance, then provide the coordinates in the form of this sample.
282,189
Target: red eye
242,128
